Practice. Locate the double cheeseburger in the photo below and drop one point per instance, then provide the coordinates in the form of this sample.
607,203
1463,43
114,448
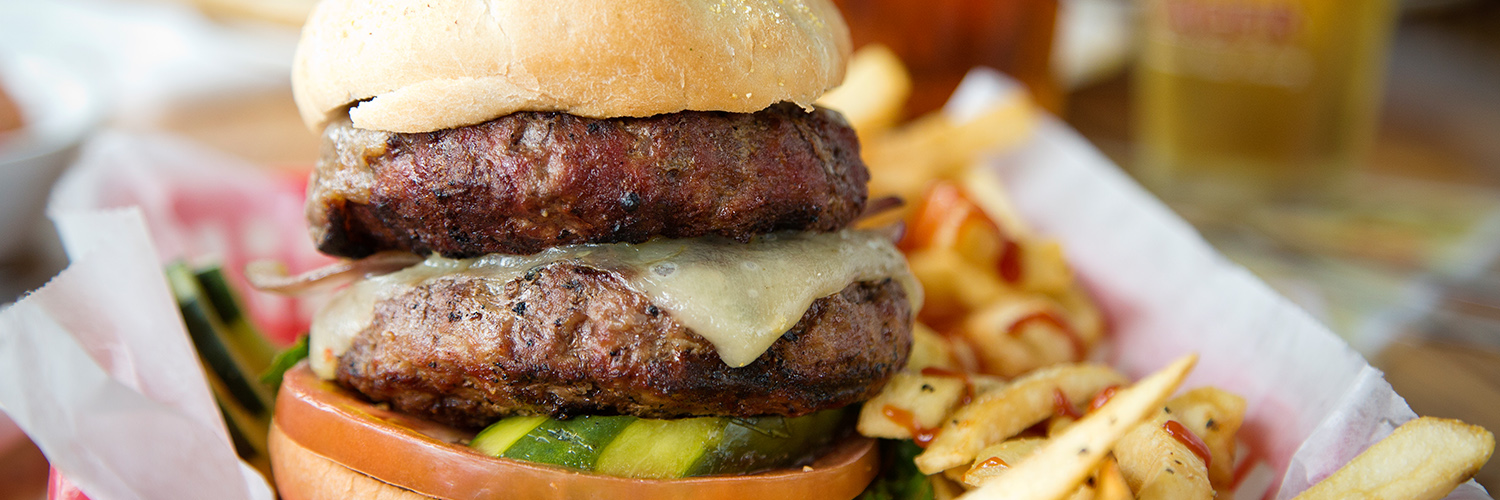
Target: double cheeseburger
626,262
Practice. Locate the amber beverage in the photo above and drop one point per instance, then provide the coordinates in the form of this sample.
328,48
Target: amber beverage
10,113
940,40
1247,101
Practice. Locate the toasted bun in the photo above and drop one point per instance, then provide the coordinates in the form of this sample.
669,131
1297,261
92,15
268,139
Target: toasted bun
304,475
410,66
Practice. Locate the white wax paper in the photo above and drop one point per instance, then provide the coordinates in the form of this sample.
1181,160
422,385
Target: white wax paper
203,206
96,367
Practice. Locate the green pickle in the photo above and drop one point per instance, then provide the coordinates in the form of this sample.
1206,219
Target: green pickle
660,448
753,444
648,448
574,443
497,438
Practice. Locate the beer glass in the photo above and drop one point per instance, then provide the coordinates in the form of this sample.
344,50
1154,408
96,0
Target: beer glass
1248,101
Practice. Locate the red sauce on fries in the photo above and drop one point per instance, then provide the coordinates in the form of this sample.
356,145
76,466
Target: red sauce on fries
933,371
1010,259
992,462
944,207
1188,439
1061,405
1049,318
922,436
1103,397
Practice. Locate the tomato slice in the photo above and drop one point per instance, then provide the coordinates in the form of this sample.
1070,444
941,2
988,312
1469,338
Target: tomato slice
430,459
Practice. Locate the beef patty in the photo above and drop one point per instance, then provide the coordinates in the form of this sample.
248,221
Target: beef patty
570,340
532,180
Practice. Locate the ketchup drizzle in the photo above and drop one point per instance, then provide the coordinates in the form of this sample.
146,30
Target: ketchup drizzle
1103,397
1061,405
934,371
1047,317
904,418
992,462
1010,259
1188,439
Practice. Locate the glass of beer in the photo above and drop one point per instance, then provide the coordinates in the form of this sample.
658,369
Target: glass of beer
1249,101
941,40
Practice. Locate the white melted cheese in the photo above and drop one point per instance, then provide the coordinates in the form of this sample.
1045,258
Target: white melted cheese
739,296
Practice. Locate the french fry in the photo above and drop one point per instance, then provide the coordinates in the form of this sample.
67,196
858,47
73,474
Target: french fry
1424,459
1092,489
1084,492
1083,314
927,399
929,349
995,460
1059,423
1110,484
944,488
985,189
1012,337
1002,127
904,161
1010,452
1157,466
1045,267
952,286
874,91
963,353
1057,468
943,214
998,415
956,475
1215,416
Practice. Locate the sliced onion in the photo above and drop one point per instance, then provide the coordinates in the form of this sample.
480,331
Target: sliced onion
879,206
893,231
271,276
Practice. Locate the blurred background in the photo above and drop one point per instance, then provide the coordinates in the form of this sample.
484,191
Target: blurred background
1347,151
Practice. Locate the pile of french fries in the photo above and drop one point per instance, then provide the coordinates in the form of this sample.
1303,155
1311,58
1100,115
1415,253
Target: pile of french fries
999,390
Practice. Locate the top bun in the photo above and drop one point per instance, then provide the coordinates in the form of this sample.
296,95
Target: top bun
420,66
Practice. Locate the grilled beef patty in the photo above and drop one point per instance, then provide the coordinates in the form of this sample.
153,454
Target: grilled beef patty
572,340
532,180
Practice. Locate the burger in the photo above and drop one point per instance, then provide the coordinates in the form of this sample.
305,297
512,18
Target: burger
604,249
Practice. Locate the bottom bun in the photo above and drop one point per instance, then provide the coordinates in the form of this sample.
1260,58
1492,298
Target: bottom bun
327,443
303,475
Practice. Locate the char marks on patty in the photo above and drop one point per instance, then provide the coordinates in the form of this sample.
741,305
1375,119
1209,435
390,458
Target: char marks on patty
532,180
573,340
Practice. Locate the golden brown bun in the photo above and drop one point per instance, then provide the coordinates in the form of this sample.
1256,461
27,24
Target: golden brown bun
419,66
304,475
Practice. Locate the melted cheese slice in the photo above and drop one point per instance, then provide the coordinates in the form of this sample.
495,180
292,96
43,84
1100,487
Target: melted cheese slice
739,296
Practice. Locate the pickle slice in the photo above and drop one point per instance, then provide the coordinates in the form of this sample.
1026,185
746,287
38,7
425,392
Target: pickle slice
645,448
242,335
660,448
574,443
498,437
751,444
